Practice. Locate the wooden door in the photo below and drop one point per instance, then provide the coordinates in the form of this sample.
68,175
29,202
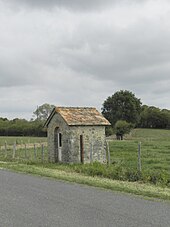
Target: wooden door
81,149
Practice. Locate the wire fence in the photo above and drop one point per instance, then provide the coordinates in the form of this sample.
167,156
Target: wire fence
33,152
150,155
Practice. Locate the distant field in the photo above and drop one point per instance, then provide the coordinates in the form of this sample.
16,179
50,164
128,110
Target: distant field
149,135
10,140
23,148
155,150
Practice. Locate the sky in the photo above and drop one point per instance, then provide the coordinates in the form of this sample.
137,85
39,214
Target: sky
77,53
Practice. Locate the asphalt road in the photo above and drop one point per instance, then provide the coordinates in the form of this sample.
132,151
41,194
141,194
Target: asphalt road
35,201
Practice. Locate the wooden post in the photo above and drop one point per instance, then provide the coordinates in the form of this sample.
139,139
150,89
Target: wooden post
5,149
139,158
105,150
91,152
108,153
42,152
35,152
14,150
25,146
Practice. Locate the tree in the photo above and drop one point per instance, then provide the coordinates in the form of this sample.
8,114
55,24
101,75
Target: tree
122,128
42,112
153,117
123,105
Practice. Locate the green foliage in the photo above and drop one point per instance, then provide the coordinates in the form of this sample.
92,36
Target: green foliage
122,128
123,105
115,172
21,127
152,117
42,112
109,131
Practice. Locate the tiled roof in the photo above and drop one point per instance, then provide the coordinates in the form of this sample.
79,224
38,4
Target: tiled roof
82,116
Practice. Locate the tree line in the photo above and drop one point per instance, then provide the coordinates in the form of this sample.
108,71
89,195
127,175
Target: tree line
22,127
123,109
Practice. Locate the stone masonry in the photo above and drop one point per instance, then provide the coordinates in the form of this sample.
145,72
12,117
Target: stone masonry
71,141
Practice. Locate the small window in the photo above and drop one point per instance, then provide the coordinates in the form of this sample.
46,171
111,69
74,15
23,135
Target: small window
60,140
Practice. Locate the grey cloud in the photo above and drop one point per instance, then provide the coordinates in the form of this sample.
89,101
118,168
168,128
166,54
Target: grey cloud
77,5
120,56
67,58
68,4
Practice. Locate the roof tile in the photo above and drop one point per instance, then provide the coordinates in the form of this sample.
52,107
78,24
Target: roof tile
82,116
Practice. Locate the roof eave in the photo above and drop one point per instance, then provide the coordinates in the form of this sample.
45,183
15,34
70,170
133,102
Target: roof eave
89,125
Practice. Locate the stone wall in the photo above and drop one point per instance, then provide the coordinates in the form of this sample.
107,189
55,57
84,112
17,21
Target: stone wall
93,142
56,125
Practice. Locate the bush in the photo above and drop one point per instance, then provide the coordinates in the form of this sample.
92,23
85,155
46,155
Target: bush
122,128
117,172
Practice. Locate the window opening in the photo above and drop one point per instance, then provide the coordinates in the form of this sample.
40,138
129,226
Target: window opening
60,140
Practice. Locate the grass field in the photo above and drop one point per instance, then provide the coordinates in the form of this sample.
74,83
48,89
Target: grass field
23,149
155,150
10,140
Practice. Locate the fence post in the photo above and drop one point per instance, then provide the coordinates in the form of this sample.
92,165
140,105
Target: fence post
139,158
105,147
14,150
42,152
108,153
5,149
25,146
34,151
91,152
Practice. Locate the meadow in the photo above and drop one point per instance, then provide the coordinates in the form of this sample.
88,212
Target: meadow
23,149
155,150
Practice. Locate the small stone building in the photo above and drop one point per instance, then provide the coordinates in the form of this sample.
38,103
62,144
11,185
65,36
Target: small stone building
76,135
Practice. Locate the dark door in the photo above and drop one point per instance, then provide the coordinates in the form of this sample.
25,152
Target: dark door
81,149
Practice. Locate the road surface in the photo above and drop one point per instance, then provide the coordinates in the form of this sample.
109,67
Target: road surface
38,202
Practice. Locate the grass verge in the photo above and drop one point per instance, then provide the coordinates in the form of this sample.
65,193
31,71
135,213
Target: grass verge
114,185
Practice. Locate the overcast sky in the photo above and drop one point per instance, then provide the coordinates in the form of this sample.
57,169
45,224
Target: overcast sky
77,53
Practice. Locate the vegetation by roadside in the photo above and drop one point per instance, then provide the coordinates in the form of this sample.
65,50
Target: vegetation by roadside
115,185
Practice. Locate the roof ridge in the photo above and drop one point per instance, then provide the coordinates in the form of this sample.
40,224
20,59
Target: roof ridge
75,107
